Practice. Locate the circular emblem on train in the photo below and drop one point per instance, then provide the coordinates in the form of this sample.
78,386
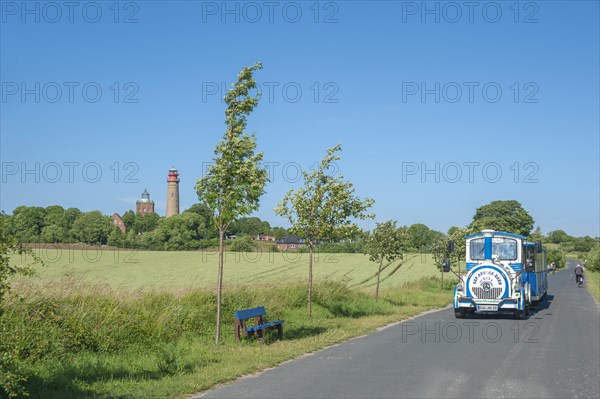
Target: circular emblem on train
487,283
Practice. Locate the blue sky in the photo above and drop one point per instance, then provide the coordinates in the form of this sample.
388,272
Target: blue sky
440,108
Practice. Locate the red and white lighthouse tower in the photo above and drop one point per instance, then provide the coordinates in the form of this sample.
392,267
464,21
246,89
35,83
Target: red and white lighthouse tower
172,193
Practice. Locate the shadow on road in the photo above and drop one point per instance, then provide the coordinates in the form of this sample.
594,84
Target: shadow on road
542,306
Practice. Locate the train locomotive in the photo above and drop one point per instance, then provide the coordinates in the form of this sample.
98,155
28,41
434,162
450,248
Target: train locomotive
504,273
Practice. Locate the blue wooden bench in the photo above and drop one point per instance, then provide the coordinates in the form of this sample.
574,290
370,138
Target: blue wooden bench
260,325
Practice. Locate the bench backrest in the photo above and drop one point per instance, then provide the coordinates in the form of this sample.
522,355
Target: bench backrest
250,313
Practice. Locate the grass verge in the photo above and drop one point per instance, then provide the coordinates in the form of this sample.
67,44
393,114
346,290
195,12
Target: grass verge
593,283
83,341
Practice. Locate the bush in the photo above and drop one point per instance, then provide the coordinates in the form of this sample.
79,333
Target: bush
244,244
556,255
593,259
12,374
584,244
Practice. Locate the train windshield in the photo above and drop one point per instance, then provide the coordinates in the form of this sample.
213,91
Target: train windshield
502,248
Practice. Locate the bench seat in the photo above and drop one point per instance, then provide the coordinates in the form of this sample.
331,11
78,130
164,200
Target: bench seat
264,326
260,325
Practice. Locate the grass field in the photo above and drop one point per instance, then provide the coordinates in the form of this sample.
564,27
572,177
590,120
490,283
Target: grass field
130,269
141,324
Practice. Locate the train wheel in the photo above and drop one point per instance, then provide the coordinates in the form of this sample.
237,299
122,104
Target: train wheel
519,314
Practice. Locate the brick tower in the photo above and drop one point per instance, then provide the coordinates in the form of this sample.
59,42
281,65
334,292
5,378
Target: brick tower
144,206
172,193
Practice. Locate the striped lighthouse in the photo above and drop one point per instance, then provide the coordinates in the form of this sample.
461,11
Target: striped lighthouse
172,193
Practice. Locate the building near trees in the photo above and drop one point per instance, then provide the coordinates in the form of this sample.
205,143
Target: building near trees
290,242
263,237
118,222
144,206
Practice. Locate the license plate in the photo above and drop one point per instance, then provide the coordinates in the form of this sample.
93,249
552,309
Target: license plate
487,308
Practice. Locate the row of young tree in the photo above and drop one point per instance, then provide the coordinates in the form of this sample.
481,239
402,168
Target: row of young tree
324,209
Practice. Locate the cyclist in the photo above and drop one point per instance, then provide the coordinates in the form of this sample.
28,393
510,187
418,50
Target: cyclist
579,273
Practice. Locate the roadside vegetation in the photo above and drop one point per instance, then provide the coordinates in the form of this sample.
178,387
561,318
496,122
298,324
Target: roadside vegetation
592,262
593,284
75,340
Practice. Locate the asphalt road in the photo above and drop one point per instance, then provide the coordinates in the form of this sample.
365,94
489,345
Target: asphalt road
553,354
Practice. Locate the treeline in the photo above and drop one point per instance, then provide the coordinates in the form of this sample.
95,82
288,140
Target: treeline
415,238
567,242
587,248
192,229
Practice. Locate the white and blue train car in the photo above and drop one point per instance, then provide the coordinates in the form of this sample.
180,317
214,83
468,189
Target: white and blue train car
504,273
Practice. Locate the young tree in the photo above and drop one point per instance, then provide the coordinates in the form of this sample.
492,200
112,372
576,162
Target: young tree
385,242
234,184
322,209
440,247
457,234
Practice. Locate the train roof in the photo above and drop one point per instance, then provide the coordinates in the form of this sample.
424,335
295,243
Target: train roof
497,233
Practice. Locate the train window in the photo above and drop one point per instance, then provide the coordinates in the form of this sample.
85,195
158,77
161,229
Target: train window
529,252
477,249
502,248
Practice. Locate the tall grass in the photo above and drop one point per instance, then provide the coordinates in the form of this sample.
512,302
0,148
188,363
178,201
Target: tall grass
77,340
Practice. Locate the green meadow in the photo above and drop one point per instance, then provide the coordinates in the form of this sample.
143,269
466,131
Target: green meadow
131,269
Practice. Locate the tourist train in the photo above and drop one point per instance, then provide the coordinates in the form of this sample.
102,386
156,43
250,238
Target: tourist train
504,273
